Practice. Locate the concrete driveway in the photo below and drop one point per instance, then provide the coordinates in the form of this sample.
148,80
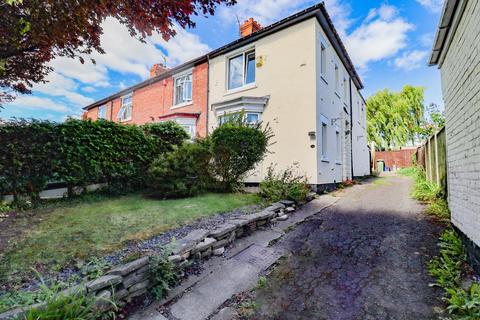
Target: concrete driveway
363,258
360,253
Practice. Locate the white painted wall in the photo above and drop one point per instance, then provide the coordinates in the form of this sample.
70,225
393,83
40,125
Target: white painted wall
300,98
361,156
288,77
461,91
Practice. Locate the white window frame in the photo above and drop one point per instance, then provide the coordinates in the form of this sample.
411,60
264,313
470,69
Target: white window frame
345,89
337,78
125,112
323,59
324,139
338,143
102,112
244,53
221,117
187,100
191,129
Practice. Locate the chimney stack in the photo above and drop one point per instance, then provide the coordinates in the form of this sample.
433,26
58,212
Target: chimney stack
157,69
248,27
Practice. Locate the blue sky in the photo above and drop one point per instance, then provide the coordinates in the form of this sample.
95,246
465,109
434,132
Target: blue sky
388,41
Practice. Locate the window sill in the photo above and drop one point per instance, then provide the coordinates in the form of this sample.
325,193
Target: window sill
338,96
338,163
181,105
325,160
323,78
241,89
125,120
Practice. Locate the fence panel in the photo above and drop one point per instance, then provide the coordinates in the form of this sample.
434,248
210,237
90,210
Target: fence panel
432,157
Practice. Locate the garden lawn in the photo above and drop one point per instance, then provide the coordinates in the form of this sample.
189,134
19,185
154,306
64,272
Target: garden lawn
81,231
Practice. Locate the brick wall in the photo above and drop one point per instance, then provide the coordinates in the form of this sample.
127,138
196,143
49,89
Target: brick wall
461,90
396,158
156,100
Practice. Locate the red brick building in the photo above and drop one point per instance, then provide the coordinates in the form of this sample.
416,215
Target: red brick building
178,94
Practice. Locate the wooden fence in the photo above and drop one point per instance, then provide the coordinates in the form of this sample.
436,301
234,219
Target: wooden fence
432,156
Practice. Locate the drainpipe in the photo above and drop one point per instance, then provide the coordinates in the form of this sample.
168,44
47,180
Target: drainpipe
351,129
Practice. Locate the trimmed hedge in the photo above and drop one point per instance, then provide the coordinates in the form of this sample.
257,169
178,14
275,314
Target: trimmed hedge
79,153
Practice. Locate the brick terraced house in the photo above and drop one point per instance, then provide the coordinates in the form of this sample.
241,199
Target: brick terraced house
178,94
294,74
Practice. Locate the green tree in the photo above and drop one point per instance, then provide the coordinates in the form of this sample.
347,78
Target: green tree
395,118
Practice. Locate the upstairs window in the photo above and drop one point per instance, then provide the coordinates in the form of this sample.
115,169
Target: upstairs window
323,59
102,112
125,112
241,70
345,89
337,78
183,89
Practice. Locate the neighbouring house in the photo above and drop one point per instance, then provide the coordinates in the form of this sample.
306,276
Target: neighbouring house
178,94
456,52
294,75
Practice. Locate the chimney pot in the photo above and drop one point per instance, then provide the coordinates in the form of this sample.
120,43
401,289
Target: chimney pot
248,27
157,69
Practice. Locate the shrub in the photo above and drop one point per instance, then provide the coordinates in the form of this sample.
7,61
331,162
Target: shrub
169,133
27,149
184,172
76,152
284,185
236,148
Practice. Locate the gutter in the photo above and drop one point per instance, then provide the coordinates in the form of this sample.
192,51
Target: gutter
451,14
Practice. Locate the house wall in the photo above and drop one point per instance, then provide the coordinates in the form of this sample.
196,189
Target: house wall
288,77
156,99
461,90
289,72
361,153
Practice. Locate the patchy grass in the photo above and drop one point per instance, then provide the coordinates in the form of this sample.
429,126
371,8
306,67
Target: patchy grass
102,225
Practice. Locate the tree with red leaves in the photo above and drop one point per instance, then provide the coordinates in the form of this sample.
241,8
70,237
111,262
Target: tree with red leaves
33,32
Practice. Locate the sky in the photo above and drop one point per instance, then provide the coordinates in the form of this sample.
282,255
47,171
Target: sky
388,41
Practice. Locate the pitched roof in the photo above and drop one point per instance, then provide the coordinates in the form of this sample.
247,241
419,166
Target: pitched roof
319,11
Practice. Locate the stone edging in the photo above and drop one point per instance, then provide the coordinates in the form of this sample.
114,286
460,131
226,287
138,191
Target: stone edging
133,279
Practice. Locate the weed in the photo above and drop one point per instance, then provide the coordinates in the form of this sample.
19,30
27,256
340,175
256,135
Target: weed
284,185
247,309
447,270
164,274
262,282
439,208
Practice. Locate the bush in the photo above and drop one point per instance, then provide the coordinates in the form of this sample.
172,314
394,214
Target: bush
184,172
284,185
169,133
33,153
236,148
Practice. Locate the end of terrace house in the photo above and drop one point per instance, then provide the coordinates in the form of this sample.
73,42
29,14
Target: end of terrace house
295,74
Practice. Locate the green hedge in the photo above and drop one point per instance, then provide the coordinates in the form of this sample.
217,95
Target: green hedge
77,152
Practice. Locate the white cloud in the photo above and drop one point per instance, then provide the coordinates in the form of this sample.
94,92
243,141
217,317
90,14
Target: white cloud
264,11
382,35
411,60
89,89
426,39
60,86
37,103
432,5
